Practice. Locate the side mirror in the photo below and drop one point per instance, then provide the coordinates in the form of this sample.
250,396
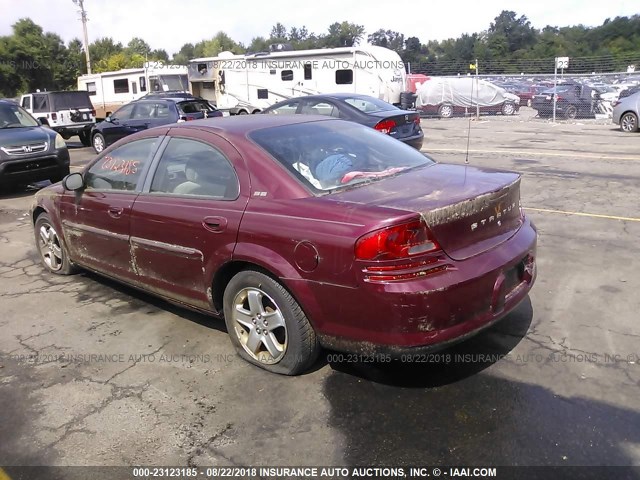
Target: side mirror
73,182
108,119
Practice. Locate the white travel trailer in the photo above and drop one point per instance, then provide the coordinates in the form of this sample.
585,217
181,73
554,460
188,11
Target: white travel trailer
110,90
241,84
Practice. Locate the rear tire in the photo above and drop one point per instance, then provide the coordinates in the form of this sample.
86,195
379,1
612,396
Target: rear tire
85,138
53,253
267,326
629,122
445,111
243,112
508,108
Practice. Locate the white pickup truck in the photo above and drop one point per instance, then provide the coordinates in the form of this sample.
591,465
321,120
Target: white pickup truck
68,113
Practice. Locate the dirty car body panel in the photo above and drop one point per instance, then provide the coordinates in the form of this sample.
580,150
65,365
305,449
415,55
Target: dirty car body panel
399,253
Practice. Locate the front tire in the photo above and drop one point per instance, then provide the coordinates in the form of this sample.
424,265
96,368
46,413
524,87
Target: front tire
571,112
629,122
267,326
53,253
99,144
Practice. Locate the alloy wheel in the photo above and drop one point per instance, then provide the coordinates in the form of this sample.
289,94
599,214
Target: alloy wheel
50,247
259,325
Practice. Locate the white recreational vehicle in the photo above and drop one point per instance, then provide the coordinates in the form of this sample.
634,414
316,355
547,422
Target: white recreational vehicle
241,84
110,90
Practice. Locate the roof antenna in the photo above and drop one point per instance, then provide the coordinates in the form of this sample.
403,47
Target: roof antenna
473,67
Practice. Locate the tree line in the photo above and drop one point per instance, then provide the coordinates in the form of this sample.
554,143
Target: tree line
32,59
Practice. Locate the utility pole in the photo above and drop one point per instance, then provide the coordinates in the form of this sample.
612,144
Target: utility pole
83,17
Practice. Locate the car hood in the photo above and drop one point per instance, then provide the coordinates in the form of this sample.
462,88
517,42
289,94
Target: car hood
22,136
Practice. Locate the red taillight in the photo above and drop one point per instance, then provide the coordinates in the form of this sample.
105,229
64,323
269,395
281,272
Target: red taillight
93,112
385,126
400,241
417,120
54,116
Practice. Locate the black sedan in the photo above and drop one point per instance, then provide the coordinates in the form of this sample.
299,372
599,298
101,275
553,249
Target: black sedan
403,125
148,113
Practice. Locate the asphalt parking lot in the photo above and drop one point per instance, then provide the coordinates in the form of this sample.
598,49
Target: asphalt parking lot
93,373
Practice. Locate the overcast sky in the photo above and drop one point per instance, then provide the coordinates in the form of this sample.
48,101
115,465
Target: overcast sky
170,24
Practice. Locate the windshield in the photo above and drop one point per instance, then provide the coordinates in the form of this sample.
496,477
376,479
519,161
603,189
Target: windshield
331,155
165,83
369,105
14,116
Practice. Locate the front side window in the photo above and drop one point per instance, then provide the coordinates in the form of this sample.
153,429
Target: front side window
121,168
143,84
121,86
26,102
193,168
143,111
123,113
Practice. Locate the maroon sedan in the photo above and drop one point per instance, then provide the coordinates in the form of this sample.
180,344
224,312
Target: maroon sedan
303,232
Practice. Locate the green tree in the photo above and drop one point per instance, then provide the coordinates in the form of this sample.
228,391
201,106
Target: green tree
388,39
138,45
343,34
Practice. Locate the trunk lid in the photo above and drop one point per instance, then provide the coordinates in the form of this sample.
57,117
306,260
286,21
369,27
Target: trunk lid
469,210
406,124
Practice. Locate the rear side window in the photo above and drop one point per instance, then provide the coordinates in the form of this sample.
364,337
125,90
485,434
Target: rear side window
194,107
192,168
121,168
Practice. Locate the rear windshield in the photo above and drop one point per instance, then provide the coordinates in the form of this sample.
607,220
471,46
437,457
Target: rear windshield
331,155
369,105
69,100
194,106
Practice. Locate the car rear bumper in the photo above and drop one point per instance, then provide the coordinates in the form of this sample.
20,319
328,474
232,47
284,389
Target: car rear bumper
71,130
415,141
431,312
34,169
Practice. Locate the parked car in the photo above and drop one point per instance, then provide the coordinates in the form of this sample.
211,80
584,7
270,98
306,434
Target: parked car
385,251
68,113
403,125
446,97
628,92
573,101
29,152
526,93
626,112
147,113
